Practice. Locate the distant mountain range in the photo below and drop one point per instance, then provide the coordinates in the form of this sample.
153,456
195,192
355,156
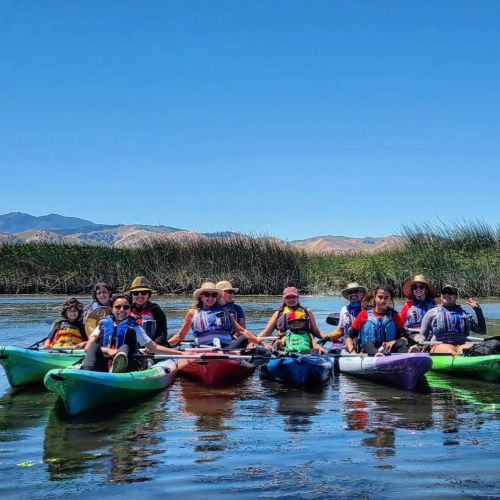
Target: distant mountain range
17,227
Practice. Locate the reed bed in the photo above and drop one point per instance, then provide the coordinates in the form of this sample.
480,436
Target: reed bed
464,254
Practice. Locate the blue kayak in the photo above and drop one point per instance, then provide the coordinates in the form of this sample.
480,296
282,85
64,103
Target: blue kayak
300,370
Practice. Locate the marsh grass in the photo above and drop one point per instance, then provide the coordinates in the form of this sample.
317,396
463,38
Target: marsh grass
464,254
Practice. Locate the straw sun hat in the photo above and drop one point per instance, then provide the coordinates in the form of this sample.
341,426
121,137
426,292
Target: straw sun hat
208,286
352,286
418,278
140,284
226,285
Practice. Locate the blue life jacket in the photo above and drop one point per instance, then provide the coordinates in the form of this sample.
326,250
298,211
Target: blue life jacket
212,324
417,310
378,330
451,326
114,335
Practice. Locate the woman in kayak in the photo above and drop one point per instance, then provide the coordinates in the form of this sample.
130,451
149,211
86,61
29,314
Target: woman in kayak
421,297
450,325
378,327
148,314
228,304
69,331
297,338
101,297
118,336
211,324
279,319
354,293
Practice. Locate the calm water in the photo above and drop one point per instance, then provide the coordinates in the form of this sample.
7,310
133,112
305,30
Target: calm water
258,439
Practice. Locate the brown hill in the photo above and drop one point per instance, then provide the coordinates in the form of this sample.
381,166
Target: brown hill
343,244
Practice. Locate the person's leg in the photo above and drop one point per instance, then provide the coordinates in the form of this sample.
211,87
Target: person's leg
443,349
400,346
94,359
370,349
240,343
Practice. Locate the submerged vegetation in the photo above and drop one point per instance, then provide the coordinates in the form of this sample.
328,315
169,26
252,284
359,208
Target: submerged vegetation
463,254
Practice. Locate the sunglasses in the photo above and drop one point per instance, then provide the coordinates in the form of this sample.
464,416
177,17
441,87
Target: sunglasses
351,292
419,287
291,297
126,307
142,292
229,291
214,295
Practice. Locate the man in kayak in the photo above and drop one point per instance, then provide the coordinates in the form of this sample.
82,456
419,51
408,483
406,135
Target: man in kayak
449,325
228,304
354,293
69,331
118,336
378,326
297,339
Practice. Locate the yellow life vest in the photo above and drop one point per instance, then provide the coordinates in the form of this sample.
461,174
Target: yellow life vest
67,335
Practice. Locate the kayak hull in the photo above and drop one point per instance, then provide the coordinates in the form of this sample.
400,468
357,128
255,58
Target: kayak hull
83,390
29,366
401,370
216,372
485,368
301,371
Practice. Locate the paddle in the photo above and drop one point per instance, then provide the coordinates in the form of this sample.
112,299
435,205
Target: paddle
93,318
333,319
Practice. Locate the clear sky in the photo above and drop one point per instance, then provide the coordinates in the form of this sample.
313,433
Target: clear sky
280,117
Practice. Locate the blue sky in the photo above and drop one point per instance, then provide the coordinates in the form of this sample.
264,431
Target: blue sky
281,117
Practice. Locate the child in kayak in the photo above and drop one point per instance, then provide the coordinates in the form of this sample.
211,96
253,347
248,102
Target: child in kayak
118,336
297,339
69,331
354,293
378,327
101,297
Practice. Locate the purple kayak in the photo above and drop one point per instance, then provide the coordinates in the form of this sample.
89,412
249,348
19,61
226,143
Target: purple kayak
402,370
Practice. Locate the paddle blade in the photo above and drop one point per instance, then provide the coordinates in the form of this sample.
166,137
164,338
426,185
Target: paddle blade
333,319
92,320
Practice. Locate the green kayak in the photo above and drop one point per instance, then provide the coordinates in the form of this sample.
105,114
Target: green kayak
29,366
486,368
83,390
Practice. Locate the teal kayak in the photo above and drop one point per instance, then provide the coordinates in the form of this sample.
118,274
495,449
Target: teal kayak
83,390
486,368
29,366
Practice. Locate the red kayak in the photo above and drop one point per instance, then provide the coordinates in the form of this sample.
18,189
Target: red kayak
215,369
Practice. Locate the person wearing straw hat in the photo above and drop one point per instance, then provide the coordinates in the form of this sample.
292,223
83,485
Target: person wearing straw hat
354,293
449,325
228,304
148,314
211,324
421,297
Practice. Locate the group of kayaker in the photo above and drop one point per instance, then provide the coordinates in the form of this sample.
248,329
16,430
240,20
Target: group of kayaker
368,324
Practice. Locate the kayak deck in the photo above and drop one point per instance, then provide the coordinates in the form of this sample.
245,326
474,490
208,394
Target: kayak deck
485,368
402,370
29,366
300,370
82,390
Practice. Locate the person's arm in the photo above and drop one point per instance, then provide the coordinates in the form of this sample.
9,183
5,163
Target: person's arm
404,312
161,324
401,332
314,326
478,326
182,334
271,325
241,316
249,335
426,326
337,334
50,337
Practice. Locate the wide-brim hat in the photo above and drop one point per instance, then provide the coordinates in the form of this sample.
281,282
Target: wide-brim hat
140,284
226,285
208,286
418,278
353,286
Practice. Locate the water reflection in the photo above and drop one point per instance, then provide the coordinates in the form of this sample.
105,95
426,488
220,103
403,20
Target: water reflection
296,405
210,407
23,409
122,442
